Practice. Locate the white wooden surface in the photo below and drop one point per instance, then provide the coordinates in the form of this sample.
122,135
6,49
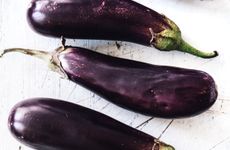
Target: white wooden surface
204,23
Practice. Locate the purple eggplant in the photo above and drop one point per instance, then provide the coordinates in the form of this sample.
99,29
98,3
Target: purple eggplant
48,124
123,20
160,91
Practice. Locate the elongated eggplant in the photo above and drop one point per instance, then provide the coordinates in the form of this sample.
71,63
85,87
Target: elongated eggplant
48,124
161,91
123,20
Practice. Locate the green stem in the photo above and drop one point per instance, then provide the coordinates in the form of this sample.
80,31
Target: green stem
185,47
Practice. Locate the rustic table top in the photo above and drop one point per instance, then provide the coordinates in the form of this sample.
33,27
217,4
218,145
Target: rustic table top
204,23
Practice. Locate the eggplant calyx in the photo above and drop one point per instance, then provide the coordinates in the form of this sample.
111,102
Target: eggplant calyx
50,58
171,39
166,147
158,145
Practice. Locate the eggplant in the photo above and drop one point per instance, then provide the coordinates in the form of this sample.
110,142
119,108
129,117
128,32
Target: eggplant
49,124
123,20
159,91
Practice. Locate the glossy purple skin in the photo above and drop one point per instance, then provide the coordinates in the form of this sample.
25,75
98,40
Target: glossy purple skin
48,124
159,91
123,20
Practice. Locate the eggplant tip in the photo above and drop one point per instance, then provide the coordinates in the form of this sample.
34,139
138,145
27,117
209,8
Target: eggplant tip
216,54
1,53
210,55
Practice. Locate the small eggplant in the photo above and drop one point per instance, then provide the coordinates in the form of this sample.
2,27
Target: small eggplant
123,20
48,124
160,91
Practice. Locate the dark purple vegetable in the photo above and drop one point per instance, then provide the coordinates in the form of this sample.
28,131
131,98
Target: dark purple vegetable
48,124
123,20
160,91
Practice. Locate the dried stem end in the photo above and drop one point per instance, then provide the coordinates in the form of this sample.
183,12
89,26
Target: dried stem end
50,58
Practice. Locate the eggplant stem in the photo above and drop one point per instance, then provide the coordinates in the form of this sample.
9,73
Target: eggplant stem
63,41
185,47
46,56
50,58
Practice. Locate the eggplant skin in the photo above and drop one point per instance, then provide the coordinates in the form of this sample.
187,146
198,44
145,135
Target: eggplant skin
123,20
49,124
159,91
